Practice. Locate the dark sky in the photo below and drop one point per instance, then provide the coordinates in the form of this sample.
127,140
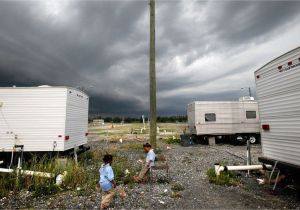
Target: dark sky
205,50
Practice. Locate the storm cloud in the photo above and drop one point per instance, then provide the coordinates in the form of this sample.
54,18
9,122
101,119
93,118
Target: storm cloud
206,50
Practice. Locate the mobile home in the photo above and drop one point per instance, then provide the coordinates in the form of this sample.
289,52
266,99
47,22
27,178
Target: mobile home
43,119
278,93
232,120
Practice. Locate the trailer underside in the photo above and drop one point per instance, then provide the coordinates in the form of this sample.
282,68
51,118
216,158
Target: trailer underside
284,167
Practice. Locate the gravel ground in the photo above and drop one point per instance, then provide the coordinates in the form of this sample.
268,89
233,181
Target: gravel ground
188,167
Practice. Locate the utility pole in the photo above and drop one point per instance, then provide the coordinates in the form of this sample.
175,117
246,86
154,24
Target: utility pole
249,91
152,77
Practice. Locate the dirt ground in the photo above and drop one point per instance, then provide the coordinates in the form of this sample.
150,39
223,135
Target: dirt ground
191,166
188,166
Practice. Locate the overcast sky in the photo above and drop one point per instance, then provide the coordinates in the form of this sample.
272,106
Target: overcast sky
205,50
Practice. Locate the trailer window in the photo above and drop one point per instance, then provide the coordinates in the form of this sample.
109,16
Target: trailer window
251,114
210,117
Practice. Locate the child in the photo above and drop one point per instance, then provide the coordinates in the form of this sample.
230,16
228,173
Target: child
107,182
150,158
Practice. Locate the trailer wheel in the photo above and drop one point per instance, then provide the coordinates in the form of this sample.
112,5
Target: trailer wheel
239,139
252,139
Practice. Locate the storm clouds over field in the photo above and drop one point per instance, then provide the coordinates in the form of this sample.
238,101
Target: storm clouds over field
205,50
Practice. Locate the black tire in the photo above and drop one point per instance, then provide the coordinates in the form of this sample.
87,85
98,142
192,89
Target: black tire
253,139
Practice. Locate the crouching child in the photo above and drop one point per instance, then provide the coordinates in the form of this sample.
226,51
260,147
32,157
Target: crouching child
150,158
107,182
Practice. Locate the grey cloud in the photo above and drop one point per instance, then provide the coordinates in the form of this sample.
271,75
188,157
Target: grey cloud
104,44
241,22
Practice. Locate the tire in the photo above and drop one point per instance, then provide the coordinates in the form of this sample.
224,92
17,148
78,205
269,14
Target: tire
253,139
239,139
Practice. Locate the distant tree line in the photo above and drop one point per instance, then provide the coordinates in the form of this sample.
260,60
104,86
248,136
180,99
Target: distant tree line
160,119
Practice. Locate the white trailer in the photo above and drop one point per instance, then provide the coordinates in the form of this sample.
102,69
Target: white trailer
278,93
234,120
43,119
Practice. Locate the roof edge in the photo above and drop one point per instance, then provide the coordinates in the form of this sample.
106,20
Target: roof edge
297,48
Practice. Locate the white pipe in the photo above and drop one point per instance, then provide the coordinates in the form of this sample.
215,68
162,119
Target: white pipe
6,170
219,169
59,178
37,173
1,162
30,173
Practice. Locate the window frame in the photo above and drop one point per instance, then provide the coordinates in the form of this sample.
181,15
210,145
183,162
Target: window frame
251,117
210,113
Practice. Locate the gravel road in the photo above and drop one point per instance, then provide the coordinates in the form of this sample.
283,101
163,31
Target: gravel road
188,167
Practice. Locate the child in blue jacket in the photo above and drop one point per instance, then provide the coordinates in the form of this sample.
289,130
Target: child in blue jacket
107,182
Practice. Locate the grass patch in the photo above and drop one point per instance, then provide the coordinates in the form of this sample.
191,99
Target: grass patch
77,176
176,195
227,178
45,189
177,187
162,180
173,140
121,163
7,184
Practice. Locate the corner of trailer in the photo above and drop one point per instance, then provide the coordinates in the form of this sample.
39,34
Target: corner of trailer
43,119
278,88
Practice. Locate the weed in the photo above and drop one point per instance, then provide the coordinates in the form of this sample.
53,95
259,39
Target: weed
45,189
162,180
173,140
88,155
225,178
177,187
120,164
176,195
7,183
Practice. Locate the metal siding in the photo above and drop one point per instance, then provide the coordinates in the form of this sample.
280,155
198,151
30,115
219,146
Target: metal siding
35,115
76,118
278,95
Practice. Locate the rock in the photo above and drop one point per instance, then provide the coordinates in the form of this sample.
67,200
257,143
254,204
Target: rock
162,202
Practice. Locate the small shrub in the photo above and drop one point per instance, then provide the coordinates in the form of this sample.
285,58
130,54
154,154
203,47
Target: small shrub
45,189
7,184
87,155
176,195
162,180
173,140
120,164
177,187
227,178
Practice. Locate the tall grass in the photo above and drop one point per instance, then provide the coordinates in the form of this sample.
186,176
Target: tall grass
80,177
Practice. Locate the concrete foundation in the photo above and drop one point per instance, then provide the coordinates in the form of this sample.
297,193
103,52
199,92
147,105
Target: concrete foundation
212,140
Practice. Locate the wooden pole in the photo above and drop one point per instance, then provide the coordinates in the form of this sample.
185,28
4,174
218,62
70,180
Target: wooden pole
152,77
